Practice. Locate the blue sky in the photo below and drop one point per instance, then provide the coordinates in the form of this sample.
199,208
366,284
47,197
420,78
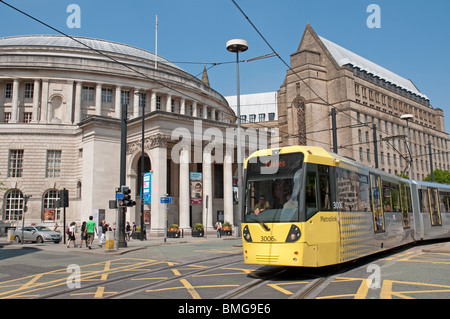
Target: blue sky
413,40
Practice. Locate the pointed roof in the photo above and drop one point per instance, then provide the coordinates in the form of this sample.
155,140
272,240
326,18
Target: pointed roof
344,57
205,78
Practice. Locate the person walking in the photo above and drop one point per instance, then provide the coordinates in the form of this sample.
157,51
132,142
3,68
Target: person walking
128,231
104,228
71,233
91,230
83,235
218,227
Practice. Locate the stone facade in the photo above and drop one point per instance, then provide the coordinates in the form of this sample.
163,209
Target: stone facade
60,110
325,76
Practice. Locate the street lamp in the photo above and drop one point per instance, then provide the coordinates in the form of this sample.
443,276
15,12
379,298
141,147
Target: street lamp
237,46
407,118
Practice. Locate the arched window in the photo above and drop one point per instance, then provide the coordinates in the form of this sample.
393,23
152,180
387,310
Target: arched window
13,205
51,212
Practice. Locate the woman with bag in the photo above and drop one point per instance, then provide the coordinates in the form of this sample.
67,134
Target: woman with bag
71,233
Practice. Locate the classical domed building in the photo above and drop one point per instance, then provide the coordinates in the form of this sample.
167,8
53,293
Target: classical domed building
60,125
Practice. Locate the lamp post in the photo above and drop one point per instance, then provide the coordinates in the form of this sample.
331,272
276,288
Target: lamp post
142,167
408,117
237,46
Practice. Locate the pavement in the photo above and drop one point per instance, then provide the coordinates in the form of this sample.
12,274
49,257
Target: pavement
132,244
136,244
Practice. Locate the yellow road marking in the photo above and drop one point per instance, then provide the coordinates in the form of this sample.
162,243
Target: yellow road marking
285,291
190,289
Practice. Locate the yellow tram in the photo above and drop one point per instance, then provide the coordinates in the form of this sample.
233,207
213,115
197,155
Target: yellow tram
307,207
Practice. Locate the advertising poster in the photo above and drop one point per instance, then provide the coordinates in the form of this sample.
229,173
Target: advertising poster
196,187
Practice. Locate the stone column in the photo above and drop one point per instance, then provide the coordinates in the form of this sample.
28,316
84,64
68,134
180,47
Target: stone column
228,187
158,154
205,111
15,102
183,106
98,99
136,106
207,190
36,96
44,101
169,103
78,89
184,200
153,101
117,101
194,109
69,103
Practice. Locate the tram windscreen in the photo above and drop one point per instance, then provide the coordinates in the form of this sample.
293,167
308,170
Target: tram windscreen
273,185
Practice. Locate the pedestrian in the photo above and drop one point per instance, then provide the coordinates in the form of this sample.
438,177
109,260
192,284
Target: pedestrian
218,227
104,228
83,235
71,232
91,230
128,231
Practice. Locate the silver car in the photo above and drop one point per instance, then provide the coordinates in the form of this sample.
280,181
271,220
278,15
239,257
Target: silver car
37,234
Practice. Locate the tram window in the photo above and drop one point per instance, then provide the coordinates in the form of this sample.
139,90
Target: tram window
395,195
425,204
376,199
434,207
324,188
364,202
387,197
444,202
346,190
311,194
405,195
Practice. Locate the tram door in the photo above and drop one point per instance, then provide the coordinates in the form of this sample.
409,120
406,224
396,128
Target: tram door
434,207
405,195
376,203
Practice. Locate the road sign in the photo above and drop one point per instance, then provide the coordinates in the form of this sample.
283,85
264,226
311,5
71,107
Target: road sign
119,195
166,200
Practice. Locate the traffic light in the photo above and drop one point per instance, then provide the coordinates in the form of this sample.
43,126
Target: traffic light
64,198
126,201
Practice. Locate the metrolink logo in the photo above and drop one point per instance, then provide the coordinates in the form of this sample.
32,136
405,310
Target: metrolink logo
220,146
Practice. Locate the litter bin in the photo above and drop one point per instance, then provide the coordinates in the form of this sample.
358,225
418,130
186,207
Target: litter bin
10,235
109,241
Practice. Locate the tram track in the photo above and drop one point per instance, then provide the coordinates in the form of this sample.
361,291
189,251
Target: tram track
236,259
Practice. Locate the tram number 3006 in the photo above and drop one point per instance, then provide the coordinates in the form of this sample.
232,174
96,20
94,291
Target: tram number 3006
338,205
268,238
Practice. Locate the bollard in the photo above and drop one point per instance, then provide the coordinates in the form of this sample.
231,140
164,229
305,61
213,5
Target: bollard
10,235
109,242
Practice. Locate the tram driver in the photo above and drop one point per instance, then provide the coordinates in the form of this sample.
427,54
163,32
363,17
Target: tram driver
261,206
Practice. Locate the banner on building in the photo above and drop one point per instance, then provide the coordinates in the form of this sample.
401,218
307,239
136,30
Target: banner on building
196,187
147,188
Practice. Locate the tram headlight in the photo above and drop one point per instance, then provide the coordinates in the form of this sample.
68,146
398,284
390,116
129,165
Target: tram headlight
246,234
294,234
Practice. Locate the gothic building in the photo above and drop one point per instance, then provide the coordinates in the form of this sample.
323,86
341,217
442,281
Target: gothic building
367,98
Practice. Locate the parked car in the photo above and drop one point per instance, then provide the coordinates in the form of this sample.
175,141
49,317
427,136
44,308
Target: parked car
37,234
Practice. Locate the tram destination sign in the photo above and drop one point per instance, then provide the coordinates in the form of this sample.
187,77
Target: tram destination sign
281,164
